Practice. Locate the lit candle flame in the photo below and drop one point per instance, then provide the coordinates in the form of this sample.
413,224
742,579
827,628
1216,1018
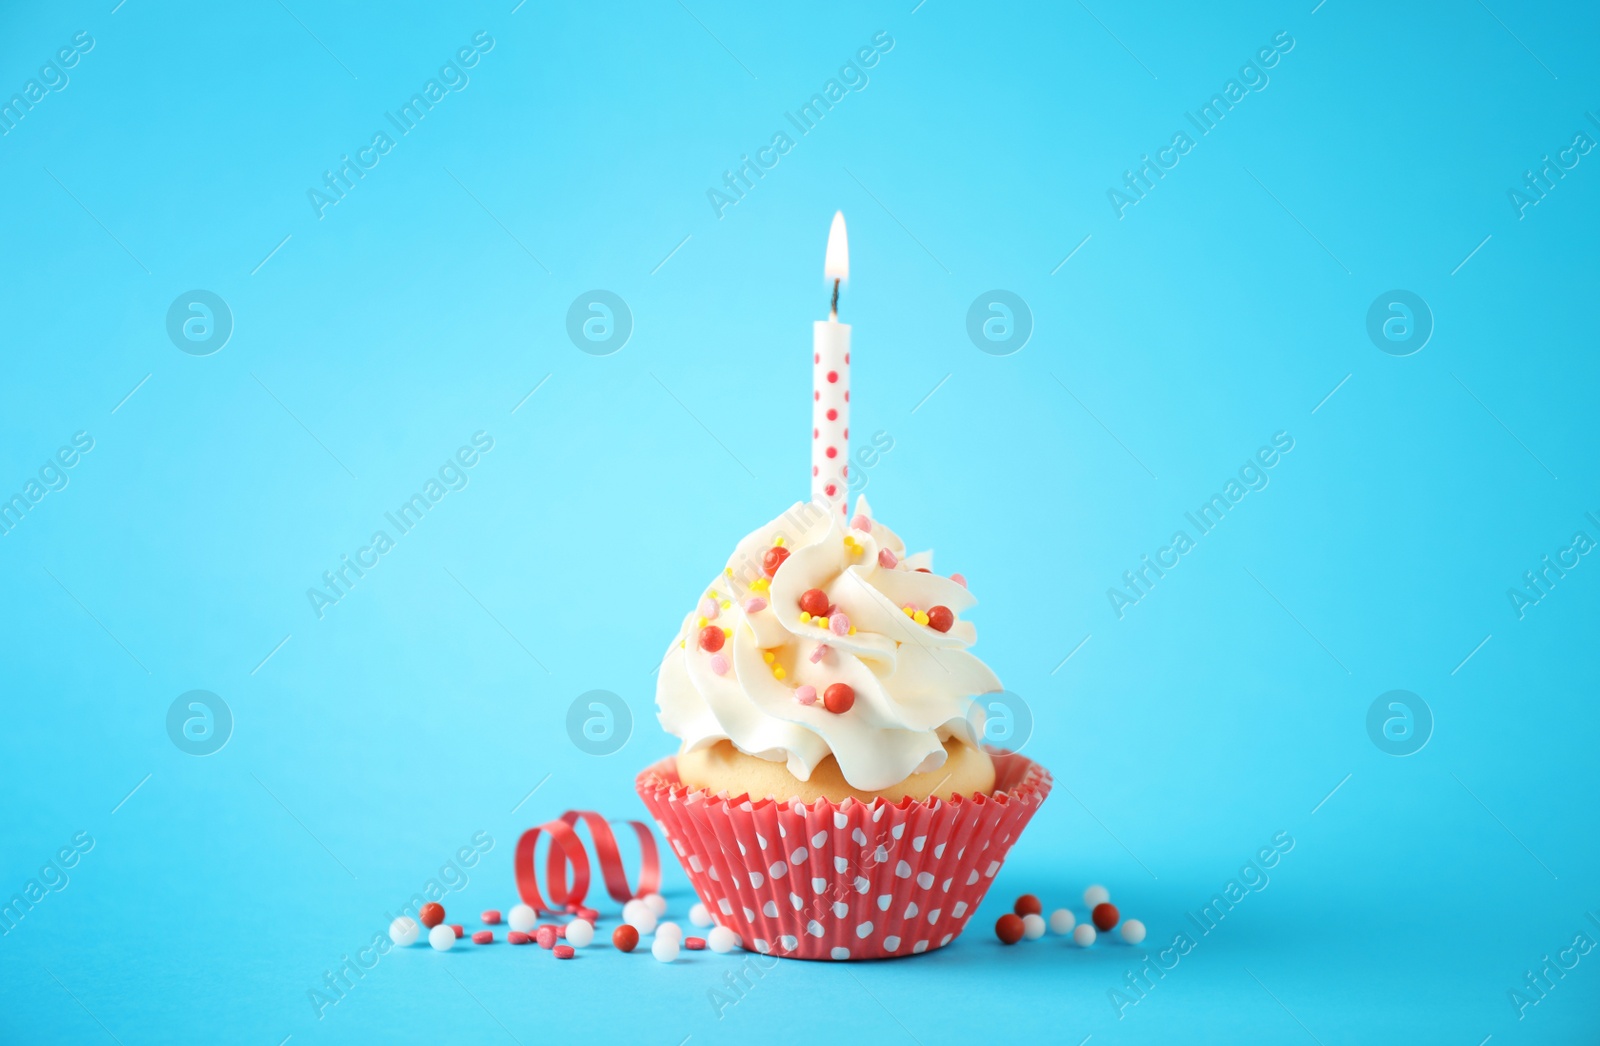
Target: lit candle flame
836,265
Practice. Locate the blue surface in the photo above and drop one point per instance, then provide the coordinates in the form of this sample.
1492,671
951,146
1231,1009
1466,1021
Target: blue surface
1169,342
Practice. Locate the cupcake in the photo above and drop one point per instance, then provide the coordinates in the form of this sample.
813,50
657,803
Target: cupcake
831,798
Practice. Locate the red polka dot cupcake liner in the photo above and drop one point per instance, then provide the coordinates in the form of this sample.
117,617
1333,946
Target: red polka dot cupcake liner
848,880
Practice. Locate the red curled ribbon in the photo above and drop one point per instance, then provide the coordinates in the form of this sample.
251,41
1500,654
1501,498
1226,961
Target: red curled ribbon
566,850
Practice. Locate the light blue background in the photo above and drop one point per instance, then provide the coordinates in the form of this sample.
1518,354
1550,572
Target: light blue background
1220,310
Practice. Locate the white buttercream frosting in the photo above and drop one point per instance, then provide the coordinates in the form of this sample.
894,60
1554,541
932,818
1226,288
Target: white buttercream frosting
914,686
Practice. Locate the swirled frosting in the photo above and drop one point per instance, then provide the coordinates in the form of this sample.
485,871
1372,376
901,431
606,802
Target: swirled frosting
914,685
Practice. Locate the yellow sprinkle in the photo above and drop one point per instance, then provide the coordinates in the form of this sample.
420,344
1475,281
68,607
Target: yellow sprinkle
681,646
852,630
760,584
726,604
778,672
769,657
727,633
702,623
920,618
907,610
728,571
804,617
820,622
777,542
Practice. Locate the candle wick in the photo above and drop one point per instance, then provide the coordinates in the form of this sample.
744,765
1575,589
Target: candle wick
833,310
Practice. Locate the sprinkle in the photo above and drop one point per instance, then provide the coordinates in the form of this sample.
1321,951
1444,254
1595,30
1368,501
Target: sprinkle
728,571
760,584
887,559
862,523
839,625
778,542
805,617
806,695
778,672
701,623
852,631
725,604
908,611
820,622
819,653
727,633
768,656
719,664
754,605
920,617
708,608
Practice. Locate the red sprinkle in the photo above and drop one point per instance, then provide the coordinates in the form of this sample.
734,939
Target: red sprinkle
1105,916
940,619
1008,928
431,915
1027,904
712,637
694,944
564,951
814,601
517,937
773,560
491,917
561,931
461,931
625,937
839,698
546,936
483,937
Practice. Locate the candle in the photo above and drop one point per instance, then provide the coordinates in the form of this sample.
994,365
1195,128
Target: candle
830,380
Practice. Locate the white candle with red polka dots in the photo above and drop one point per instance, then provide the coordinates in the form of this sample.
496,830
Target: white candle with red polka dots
830,370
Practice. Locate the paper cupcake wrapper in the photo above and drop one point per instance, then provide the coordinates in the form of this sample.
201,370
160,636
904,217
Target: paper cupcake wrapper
846,880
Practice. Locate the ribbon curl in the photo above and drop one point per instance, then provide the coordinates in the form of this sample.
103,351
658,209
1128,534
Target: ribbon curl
567,851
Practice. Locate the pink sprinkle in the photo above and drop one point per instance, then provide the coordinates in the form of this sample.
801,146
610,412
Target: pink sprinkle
887,559
806,695
708,608
838,624
719,664
862,523
819,653
754,605
958,579
913,607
